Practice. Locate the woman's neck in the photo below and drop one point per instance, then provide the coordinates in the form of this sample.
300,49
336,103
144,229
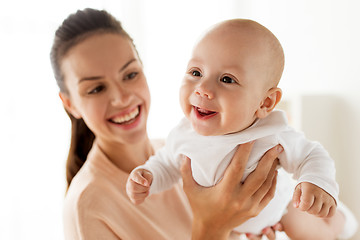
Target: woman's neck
127,156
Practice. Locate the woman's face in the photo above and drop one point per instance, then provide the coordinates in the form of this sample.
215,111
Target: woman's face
107,88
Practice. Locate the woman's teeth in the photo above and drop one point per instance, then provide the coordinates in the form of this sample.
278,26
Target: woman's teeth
127,117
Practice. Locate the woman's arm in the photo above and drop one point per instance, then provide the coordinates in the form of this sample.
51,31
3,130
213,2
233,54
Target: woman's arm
218,209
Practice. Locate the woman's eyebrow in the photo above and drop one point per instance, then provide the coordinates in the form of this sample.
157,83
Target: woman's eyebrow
92,78
127,64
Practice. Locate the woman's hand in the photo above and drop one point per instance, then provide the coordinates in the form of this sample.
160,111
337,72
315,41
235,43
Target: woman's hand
218,209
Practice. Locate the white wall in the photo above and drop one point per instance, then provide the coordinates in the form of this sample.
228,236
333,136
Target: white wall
320,39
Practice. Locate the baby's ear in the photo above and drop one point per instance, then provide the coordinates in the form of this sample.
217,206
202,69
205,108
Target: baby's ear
272,98
68,105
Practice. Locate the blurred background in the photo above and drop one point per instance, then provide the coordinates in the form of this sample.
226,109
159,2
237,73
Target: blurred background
321,85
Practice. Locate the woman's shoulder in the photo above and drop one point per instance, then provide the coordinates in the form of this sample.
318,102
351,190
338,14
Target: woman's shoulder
88,187
76,208
87,206
88,202
83,190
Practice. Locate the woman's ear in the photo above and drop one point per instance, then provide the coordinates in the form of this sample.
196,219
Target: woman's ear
69,106
273,97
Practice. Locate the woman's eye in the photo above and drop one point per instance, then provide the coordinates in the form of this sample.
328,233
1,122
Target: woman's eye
131,75
196,73
227,79
96,90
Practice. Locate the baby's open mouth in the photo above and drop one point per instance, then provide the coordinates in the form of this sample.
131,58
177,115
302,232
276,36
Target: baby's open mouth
127,118
204,112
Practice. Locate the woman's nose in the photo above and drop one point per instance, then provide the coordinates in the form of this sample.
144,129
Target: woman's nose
120,96
204,90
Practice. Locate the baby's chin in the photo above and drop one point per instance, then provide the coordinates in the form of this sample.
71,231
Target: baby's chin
207,131
211,131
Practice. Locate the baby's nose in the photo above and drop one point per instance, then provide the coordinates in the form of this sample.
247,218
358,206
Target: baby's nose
204,91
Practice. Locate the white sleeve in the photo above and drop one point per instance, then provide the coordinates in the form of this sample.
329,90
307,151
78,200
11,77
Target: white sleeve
164,167
309,162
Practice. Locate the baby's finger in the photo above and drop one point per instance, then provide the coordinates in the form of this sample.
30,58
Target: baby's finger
296,196
306,201
251,236
133,187
278,227
138,198
332,211
148,176
316,207
324,211
269,233
138,177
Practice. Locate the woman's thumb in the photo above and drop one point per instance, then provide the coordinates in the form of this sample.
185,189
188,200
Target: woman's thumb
186,173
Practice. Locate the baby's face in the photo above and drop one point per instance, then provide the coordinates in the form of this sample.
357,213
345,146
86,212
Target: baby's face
224,86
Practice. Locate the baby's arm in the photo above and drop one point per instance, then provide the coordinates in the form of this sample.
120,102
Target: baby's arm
311,165
159,173
138,185
314,200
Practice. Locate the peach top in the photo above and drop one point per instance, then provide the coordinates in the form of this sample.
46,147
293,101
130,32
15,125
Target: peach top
97,207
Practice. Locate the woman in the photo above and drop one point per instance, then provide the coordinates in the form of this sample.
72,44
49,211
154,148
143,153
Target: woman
105,93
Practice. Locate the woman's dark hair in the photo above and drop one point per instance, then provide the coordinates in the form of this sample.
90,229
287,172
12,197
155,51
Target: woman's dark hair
75,28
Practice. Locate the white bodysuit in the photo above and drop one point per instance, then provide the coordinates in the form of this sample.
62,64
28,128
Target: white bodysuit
210,155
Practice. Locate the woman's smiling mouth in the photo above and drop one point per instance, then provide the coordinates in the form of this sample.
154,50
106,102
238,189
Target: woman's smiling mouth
126,118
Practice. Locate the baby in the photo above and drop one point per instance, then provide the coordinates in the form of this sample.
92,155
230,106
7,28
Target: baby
228,97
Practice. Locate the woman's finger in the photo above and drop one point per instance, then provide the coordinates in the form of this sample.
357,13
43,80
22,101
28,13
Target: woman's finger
270,194
235,170
266,186
186,173
256,179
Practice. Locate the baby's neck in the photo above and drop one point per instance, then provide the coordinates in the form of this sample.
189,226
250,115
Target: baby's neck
241,130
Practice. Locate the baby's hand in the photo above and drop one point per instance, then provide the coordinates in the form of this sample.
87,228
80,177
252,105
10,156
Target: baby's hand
314,200
138,185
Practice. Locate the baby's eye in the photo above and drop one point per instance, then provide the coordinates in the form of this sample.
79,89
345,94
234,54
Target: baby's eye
96,90
196,73
227,79
131,76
